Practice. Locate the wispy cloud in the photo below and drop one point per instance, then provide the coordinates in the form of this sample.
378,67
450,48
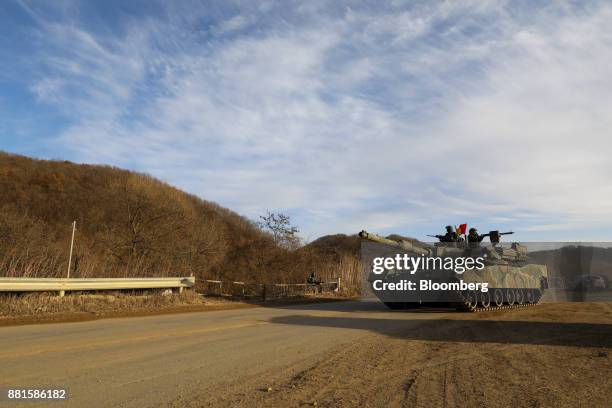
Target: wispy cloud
385,116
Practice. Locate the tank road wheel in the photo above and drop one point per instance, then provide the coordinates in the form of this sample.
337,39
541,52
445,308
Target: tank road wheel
470,300
518,296
537,294
498,297
510,298
530,296
485,299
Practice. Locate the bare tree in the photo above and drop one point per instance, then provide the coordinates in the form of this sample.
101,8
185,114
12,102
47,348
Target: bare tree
279,225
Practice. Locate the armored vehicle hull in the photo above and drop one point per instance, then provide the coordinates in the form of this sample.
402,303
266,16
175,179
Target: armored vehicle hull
511,278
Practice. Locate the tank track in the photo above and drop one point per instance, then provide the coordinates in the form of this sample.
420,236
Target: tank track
473,301
498,299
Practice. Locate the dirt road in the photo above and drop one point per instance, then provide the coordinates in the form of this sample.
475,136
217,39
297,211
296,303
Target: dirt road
331,354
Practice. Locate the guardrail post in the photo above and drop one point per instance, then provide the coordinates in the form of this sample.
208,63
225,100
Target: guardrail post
62,293
338,285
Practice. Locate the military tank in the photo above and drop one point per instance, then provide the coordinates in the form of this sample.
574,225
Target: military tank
512,279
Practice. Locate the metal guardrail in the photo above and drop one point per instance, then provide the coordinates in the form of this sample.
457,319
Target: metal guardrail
72,284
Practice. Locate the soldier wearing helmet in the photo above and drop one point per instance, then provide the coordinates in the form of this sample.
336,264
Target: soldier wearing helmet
473,237
450,236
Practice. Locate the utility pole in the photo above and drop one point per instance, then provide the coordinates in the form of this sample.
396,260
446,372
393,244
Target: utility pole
71,246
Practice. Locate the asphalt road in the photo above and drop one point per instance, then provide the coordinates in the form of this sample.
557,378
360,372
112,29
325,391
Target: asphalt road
148,361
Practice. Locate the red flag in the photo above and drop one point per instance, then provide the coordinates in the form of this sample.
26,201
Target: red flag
461,230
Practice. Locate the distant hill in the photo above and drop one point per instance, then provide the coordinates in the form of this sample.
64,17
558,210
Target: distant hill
336,245
128,224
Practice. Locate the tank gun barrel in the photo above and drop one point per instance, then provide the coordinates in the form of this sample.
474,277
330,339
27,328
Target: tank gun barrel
377,238
405,245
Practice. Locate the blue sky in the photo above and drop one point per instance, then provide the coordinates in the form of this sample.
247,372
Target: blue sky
387,116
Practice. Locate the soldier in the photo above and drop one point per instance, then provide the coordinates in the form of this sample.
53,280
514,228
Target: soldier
314,281
450,236
473,237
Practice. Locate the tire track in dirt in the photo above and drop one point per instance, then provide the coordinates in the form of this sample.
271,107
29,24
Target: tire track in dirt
397,370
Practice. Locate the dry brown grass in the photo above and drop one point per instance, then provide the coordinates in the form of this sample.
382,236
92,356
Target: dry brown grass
46,303
348,269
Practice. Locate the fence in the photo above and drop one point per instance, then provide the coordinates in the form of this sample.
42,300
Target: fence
207,287
265,291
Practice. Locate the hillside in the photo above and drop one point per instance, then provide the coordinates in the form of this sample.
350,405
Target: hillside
128,224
